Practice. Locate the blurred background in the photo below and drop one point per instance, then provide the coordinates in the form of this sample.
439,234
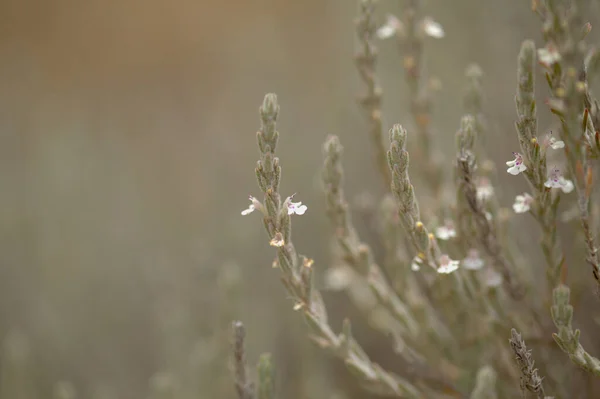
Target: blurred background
127,149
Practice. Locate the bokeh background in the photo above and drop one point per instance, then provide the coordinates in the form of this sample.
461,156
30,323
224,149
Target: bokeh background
127,148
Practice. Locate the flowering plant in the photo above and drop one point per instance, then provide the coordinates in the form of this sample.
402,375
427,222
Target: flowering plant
453,261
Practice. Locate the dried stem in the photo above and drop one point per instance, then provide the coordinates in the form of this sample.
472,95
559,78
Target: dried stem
567,338
564,35
411,44
545,203
357,254
408,207
265,377
488,239
530,380
244,387
297,270
366,61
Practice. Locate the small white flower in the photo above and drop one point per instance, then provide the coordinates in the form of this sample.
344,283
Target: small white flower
548,55
557,180
473,261
556,144
254,204
551,142
523,203
485,190
415,266
447,265
447,231
390,28
516,166
297,208
433,28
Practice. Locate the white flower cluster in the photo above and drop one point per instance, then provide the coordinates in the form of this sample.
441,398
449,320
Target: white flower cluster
393,26
293,207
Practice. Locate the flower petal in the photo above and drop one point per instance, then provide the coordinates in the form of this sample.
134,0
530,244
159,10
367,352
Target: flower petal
389,29
385,32
567,186
513,171
249,210
548,56
433,28
301,209
415,266
448,268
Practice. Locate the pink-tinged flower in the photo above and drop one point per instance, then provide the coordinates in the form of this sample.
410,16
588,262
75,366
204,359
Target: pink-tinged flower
485,190
433,28
447,265
391,27
557,180
447,231
523,203
516,166
473,261
254,205
296,208
548,55
551,142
